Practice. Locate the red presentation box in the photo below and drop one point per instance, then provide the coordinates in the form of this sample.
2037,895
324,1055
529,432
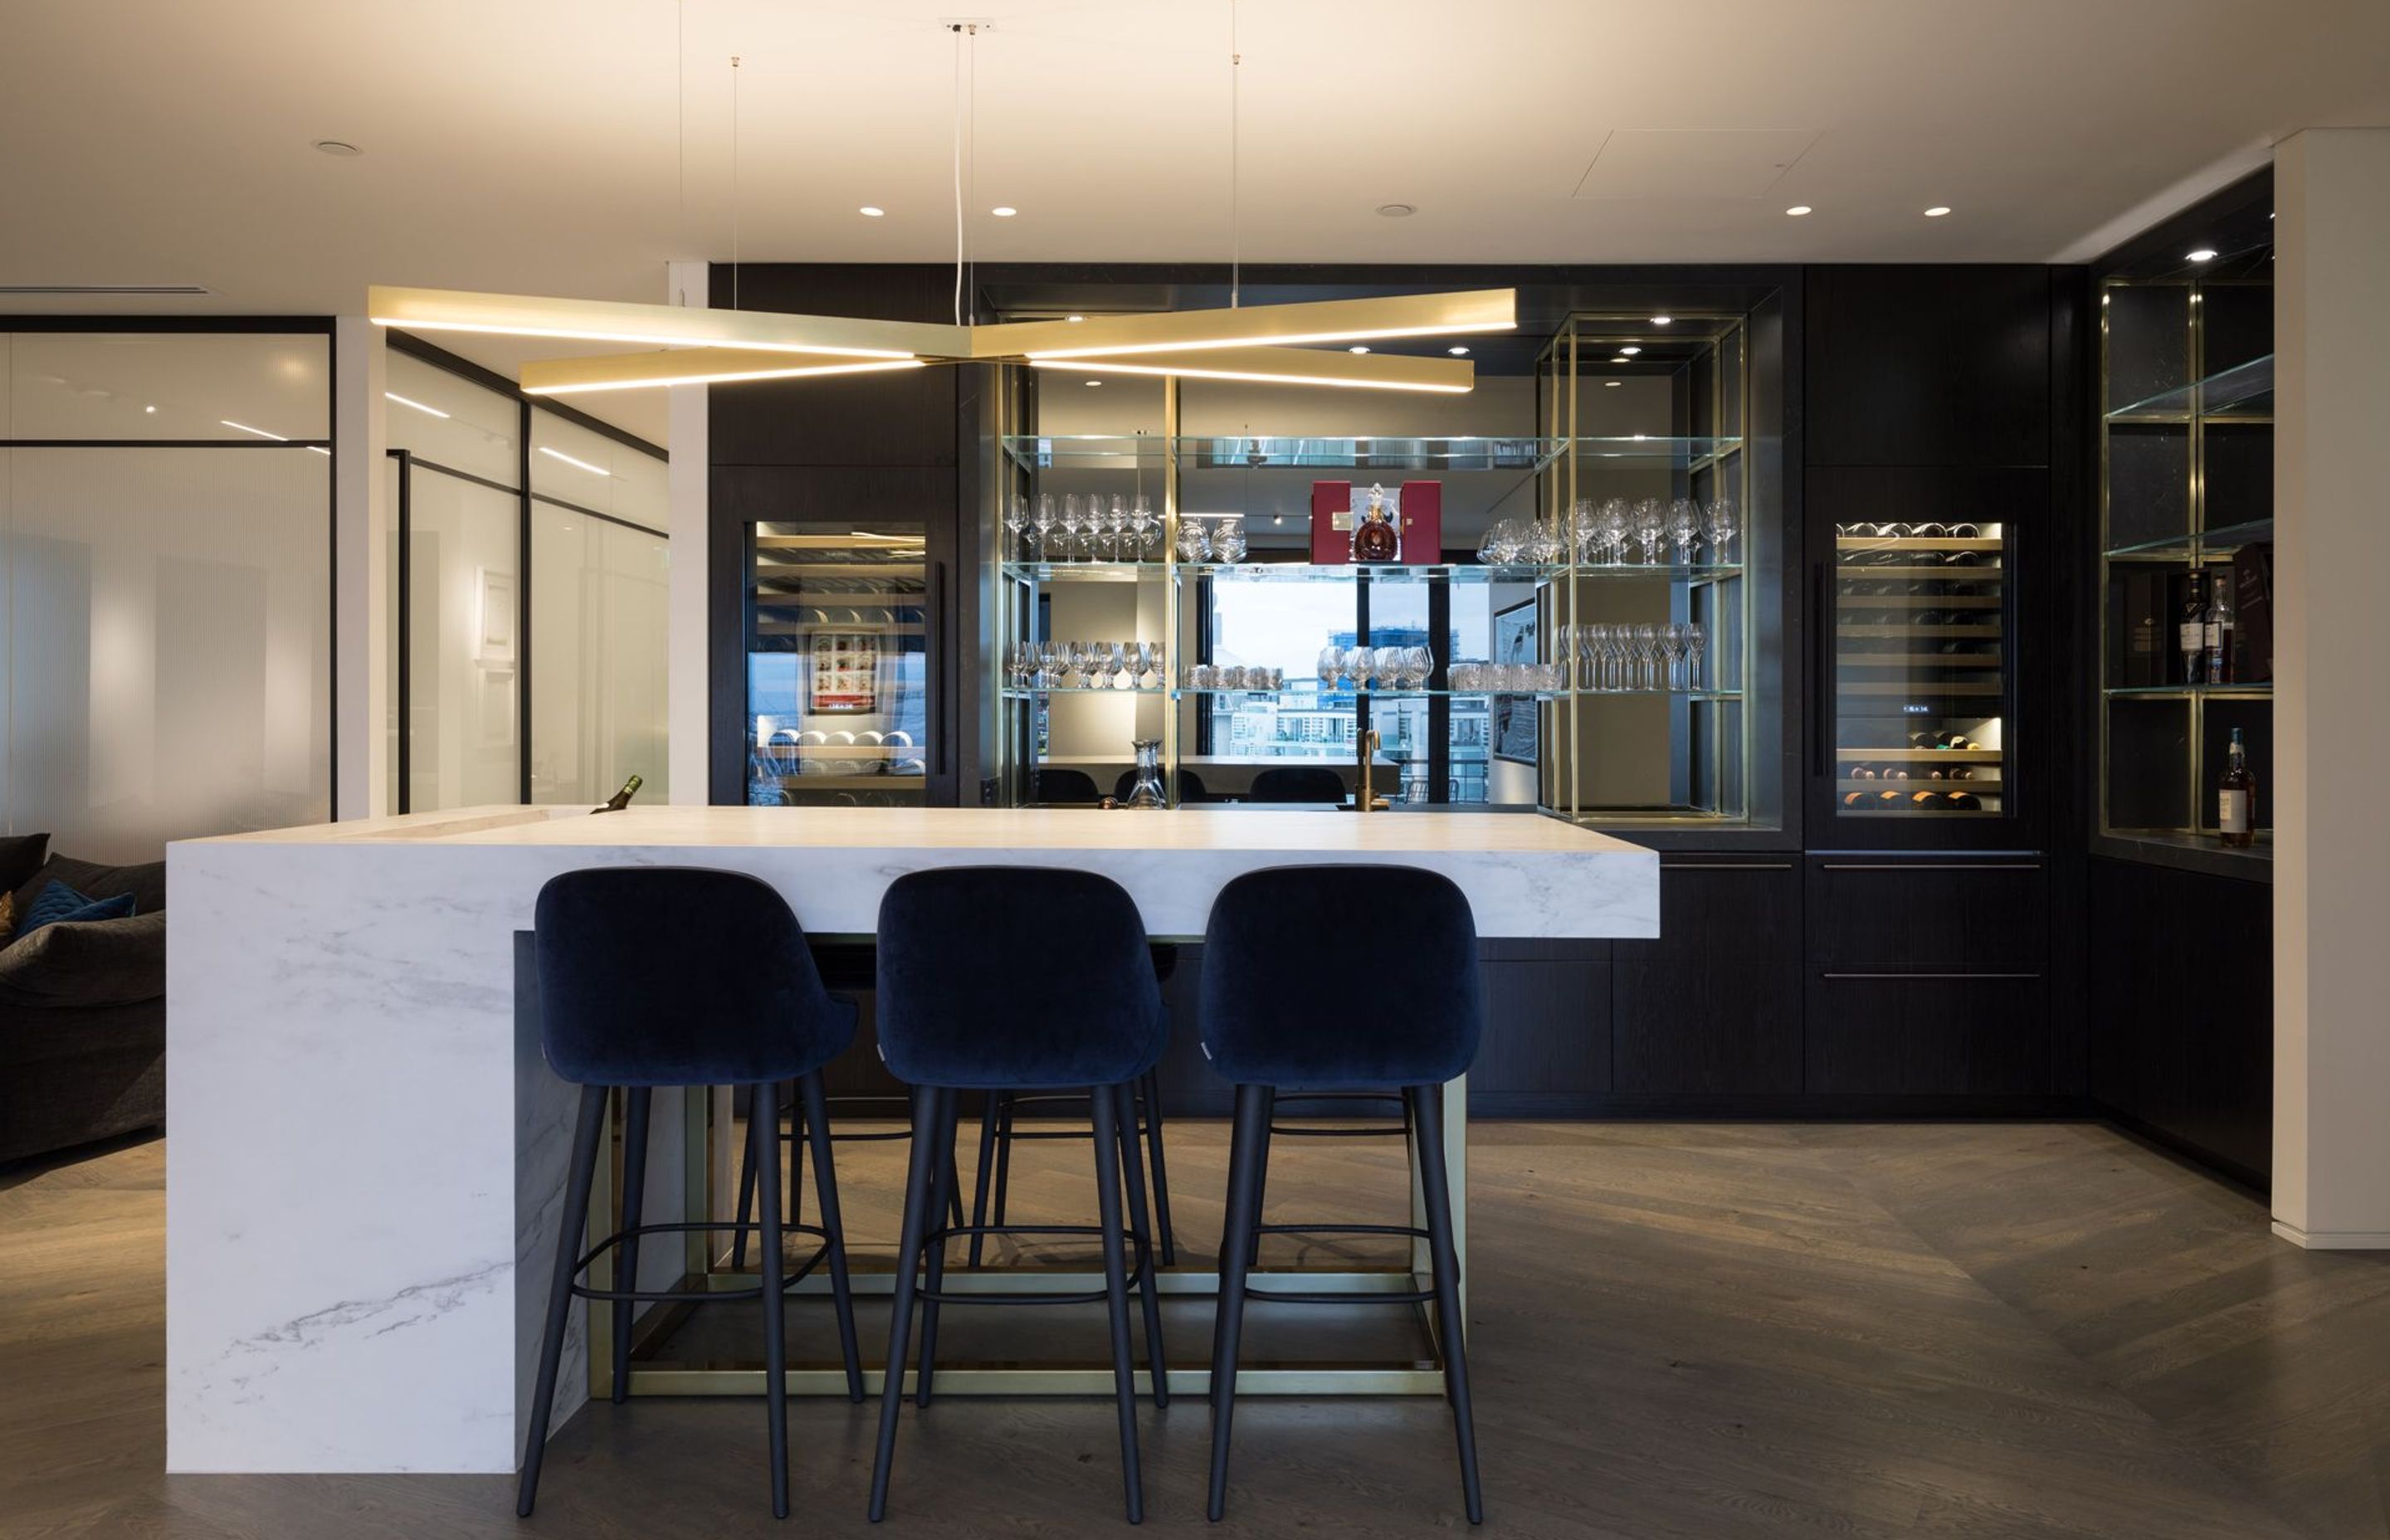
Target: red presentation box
1421,507
1332,523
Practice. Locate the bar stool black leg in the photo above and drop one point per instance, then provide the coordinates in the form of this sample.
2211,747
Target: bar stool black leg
776,1347
919,1178
1003,1156
1148,1295
797,1135
1247,1154
1427,1118
1152,1093
986,1169
815,1104
1108,1217
943,1148
636,1099
571,1224
747,1187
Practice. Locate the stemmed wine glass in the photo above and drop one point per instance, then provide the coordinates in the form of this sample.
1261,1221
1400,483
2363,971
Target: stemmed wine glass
1042,525
1647,655
1143,528
1331,664
1672,648
1229,543
1194,542
1650,519
1695,639
1053,663
1683,527
1419,664
1115,525
1386,662
1354,668
1610,522
1083,664
1074,515
1016,518
1722,523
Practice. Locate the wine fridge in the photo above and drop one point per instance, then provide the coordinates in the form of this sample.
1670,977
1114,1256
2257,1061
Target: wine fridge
1920,743
841,664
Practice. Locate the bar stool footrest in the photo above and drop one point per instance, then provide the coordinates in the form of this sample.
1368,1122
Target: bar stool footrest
1139,1257
651,1296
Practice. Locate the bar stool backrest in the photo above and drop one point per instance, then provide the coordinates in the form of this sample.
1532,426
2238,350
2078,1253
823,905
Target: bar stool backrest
1341,977
679,976
1298,783
1012,977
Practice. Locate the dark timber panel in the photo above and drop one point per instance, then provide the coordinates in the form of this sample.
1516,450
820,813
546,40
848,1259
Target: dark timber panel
1917,365
1713,1005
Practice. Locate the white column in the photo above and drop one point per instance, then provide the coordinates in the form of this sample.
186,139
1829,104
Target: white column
688,692
2331,844
361,620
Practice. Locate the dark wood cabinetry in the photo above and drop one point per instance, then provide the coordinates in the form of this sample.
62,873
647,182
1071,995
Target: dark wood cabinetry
1928,365
1713,1007
2182,1010
1928,914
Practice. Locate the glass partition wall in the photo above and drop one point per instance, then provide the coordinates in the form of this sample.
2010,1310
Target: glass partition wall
503,691
1181,570
165,581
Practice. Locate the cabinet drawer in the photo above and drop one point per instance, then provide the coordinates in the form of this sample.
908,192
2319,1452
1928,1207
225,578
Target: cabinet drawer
1927,1034
1935,914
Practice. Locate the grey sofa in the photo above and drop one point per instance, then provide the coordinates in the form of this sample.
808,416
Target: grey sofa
82,1009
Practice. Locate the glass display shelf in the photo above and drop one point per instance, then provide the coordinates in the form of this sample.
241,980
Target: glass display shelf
1017,692
1303,571
2258,689
2179,548
1384,456
1649,451
2241,393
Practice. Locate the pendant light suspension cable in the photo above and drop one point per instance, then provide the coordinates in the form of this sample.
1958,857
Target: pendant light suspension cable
733,181
1236,121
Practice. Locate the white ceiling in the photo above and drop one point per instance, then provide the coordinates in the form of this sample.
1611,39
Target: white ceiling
573,146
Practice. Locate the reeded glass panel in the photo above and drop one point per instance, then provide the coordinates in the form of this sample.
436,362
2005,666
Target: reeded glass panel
450,421
234,386
598,636
464,656
169,650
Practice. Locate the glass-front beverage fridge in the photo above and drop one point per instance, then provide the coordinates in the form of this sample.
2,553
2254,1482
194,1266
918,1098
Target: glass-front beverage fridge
839,665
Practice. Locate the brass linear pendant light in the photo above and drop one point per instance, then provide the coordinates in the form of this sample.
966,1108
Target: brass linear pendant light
709,346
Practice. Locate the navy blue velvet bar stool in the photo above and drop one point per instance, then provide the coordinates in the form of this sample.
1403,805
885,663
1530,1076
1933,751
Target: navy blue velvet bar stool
1408,1016
671,976
973,996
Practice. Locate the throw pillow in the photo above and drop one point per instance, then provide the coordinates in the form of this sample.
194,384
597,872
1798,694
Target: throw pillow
58,902
7,917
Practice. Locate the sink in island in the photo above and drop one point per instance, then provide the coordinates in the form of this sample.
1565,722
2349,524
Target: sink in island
366,1175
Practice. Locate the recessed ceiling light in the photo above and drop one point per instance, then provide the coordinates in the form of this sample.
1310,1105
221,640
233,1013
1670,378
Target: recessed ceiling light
403,401
1075,317
1004,210
1630,350
578,465
337,147
1398,211
2203,254
1356,348
1662,320
1797,210
1092,384
1937,211
149,409
1458,352
867,212
1610,384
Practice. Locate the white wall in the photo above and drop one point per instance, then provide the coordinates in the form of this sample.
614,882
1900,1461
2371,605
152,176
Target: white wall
2331,844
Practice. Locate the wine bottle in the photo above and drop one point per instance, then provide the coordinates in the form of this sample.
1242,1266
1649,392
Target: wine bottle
2236,797
1854,799
1965,802
622,799
2190,636
2216,631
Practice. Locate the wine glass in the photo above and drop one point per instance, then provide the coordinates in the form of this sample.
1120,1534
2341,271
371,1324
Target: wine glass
1500,548
1074,516
1053,663
1194,542
1111,660
1387,664
1042,523
1354,671
1649,521
1016,518
1143,527
1115,525
1695,640
1672,648
1721,523
1331,664
1229,543
1611,521
1647,655
1083,664
1589,656
1683,527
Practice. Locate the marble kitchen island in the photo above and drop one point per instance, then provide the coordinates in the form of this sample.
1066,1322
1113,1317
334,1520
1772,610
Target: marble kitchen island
366,1165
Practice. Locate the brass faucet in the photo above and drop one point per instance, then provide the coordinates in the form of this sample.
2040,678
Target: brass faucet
1369,802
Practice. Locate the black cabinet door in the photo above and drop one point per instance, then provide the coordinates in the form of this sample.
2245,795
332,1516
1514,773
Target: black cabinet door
1927,365
2181,1008
1712,1007
1929,914
1546,1043
1927,1034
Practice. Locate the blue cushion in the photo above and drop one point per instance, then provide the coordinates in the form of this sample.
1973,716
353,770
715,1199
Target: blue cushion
58,902
1015,978
1392,999
679,976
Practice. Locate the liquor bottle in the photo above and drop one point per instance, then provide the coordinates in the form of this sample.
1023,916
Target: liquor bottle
622,799
1965,802
1375,538
2216,631
2191,636
2236,797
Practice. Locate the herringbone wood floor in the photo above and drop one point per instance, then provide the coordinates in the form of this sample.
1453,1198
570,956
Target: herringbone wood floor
1707,1330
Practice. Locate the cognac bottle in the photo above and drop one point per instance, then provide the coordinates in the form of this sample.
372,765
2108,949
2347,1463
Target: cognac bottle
1375,538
